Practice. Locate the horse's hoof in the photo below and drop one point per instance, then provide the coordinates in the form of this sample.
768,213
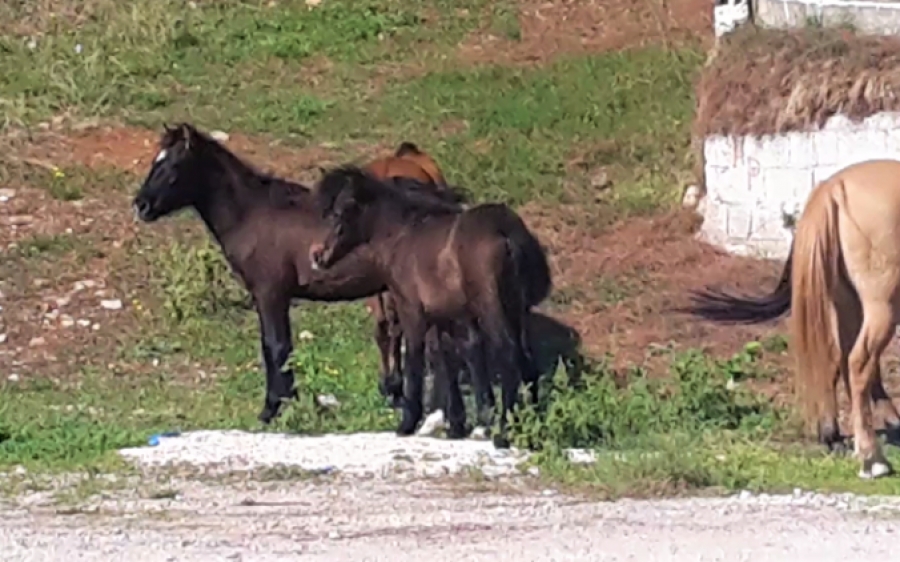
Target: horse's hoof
500,442
432,423
408,422
267,415
480,433
877,469
391,389
457,431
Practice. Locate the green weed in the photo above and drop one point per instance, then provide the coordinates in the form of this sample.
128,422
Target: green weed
593,411
196,281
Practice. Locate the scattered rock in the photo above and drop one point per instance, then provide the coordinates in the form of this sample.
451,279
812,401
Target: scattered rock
18,220
327,401
6,194
84,284
37,342
313,3
13,377
111,304
600,180
66,321
220,136
84,323
3,338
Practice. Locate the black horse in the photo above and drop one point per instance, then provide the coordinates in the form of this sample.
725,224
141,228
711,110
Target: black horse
461,272
264,226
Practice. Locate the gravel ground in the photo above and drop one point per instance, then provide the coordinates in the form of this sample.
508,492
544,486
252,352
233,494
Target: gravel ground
377,513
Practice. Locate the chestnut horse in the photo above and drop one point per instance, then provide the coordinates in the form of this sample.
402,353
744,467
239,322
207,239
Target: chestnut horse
841,283
407,162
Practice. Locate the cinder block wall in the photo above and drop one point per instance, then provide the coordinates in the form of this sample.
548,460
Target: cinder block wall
753,183
867,16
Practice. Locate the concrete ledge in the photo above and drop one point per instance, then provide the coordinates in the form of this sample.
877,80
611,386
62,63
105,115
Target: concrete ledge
755,187
880,17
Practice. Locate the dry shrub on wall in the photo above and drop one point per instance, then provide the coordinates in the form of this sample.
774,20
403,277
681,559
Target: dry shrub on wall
765,81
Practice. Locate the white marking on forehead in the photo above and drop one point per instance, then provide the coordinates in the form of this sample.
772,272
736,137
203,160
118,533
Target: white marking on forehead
161,156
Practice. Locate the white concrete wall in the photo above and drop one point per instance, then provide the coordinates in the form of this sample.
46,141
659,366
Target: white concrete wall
751,183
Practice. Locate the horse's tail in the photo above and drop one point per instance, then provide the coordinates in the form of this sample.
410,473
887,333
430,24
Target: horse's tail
533,268
720,306
816,269
410,151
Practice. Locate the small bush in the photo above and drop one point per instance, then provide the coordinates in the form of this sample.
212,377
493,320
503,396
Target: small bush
700,396
196,281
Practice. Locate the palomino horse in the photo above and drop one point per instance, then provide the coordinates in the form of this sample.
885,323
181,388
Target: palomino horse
842,285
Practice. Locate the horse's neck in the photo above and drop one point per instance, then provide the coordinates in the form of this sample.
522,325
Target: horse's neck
226,207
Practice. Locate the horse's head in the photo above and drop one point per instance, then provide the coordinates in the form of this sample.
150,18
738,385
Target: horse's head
341,197
172,182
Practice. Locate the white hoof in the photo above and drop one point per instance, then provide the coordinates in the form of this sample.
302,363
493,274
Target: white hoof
480,433
432,423
877,470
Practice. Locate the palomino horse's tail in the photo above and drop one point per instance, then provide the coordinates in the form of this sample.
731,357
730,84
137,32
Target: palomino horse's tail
720,306
817,268
410,151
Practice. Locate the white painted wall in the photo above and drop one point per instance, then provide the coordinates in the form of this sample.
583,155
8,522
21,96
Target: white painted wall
752,182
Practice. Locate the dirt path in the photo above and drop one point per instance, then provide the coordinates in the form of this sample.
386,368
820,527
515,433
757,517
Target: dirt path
352,519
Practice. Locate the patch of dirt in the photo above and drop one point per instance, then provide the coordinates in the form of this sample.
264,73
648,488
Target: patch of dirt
617,286
132,149
64,257
550,29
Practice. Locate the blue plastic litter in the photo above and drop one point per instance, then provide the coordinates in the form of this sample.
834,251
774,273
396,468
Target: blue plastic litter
155,439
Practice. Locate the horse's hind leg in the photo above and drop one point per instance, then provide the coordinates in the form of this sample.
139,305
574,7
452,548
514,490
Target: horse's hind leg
475,356
885,406
504,356
530,374
387,337
446,382
877,330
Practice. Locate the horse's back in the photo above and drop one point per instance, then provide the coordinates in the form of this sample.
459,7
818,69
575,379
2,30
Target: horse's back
393,167
869,193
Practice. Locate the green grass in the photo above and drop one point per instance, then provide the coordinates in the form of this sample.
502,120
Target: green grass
375,72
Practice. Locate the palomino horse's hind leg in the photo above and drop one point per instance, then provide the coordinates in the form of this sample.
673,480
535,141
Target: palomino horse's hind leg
876,333
884,405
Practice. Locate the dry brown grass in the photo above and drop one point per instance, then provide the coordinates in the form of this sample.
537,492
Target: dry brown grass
771,81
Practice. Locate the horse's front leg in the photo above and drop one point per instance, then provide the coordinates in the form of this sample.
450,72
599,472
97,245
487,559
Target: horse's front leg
275,340
413,324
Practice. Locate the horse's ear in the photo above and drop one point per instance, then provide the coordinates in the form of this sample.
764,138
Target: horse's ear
187,133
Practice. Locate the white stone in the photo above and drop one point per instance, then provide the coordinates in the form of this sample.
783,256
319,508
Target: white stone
220,136
751,182
111,304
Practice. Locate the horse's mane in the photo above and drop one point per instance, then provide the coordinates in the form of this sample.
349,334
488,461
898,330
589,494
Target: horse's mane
279,192
411,198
